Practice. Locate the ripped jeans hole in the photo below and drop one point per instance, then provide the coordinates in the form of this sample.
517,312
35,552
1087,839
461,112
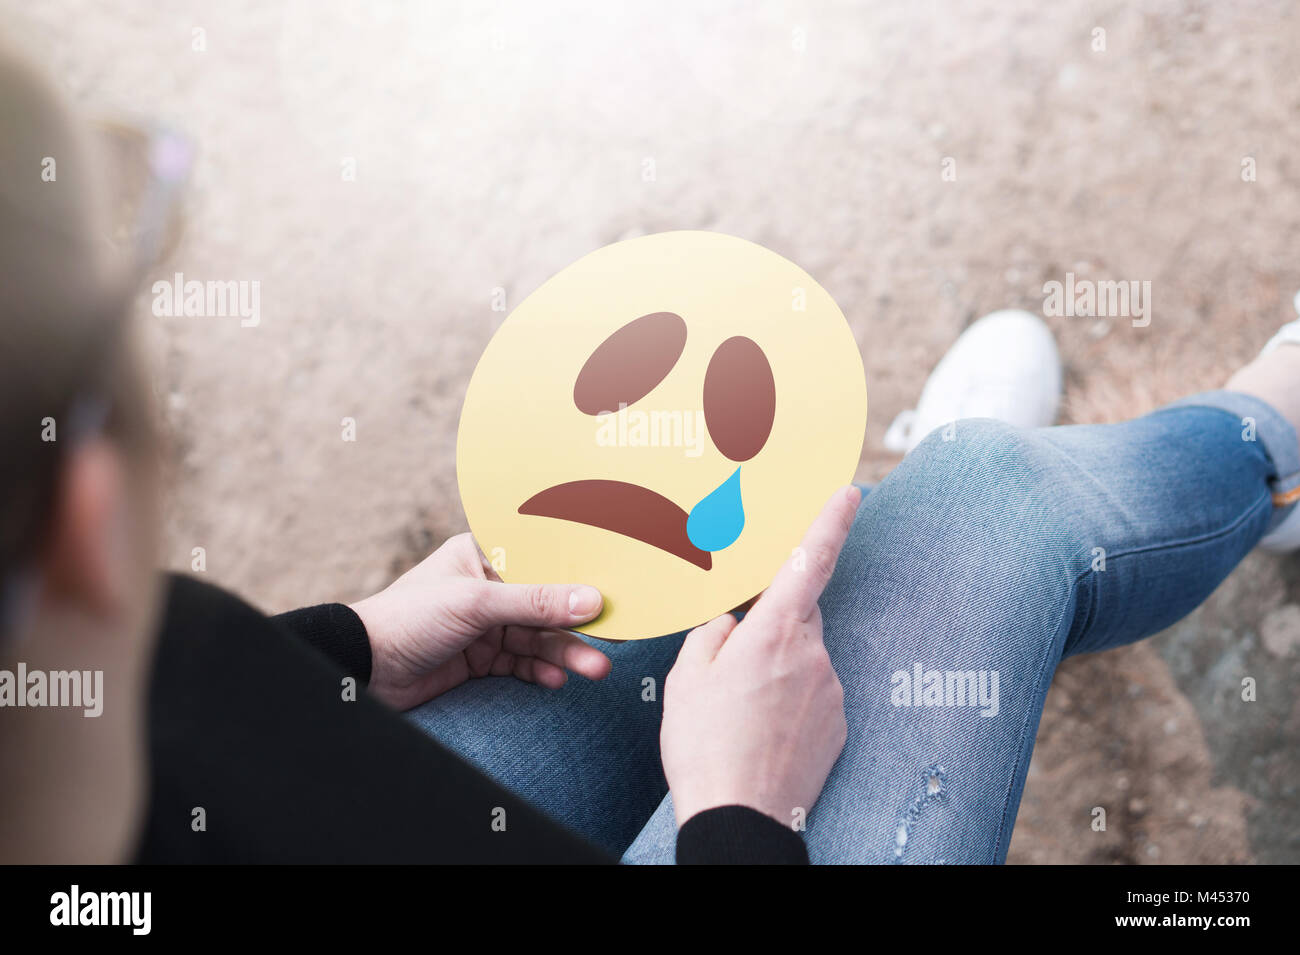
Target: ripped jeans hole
932,787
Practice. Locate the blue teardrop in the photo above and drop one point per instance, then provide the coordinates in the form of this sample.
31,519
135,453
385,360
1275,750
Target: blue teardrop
717,521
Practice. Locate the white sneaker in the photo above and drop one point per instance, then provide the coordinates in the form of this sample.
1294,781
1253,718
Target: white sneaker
1288,334
1004,366
1286,536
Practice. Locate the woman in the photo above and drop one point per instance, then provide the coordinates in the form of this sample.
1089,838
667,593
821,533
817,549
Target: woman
229,736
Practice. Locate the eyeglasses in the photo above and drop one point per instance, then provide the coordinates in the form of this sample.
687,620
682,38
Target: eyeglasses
151,167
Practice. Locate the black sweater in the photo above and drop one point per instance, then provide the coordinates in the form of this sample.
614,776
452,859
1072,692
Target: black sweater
255,756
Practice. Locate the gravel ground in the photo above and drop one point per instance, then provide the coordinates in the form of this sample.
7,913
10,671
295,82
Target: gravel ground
495,143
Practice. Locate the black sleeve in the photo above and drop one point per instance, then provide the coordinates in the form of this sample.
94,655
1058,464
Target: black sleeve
336,631
259,753
738,835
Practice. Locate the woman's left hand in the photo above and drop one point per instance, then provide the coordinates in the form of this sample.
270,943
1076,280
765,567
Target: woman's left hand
451,618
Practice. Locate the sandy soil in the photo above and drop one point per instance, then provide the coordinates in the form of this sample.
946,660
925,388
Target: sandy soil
496,143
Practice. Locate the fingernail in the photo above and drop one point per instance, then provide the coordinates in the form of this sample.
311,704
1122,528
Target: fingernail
583,601
853,495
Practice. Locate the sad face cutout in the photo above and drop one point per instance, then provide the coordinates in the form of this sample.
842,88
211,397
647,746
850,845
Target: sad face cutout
661,420
739,407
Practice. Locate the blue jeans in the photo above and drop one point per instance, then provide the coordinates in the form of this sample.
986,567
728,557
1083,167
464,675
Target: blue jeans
986,557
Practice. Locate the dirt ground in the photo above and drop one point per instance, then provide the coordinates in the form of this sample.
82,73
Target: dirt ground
495,143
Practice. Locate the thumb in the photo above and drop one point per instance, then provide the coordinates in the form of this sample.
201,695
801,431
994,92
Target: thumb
489,603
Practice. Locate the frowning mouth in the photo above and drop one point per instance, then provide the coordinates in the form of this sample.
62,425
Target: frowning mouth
628,509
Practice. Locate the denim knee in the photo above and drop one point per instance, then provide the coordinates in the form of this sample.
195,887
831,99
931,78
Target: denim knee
1001,485
971,518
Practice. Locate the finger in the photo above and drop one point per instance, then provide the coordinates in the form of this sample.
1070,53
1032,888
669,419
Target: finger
472,558
489,572
532,670
565,650
522,668
480,655
503,664
799,583
486,604
460,556
703,643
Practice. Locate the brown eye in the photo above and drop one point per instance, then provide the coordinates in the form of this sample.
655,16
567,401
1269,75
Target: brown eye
630,363
739,398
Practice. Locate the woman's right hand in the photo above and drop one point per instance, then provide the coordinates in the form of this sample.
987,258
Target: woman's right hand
753,711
